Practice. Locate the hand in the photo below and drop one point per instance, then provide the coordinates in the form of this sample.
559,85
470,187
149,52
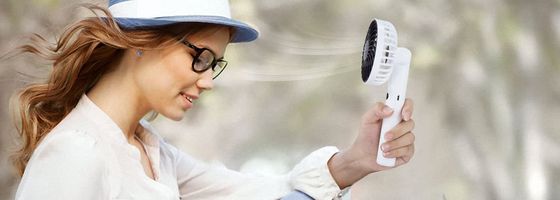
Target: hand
350,165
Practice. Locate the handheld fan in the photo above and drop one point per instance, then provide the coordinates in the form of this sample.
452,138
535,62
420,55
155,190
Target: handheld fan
382,61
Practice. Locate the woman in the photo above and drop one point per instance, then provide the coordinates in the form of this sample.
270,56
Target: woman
84,136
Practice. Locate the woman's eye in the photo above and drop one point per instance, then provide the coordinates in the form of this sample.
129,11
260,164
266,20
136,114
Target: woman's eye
202,60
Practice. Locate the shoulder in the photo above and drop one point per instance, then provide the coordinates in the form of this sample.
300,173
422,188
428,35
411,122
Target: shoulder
65,165
69,149
75,123
70,141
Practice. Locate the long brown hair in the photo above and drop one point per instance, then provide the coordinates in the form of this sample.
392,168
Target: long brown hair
84,52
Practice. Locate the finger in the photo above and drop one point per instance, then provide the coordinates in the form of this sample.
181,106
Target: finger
400,142
377,113
407,110
399,152
406,158
399,130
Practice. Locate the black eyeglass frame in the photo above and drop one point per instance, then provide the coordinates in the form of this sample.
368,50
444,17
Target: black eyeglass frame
199,52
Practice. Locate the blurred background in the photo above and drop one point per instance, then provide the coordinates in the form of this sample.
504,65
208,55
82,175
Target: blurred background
485,79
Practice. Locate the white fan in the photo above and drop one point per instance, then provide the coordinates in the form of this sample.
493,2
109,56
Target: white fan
383,60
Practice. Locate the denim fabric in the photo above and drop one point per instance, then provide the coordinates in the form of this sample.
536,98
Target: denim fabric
297,195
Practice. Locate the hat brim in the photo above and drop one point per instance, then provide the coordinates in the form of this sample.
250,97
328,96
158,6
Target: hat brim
243,32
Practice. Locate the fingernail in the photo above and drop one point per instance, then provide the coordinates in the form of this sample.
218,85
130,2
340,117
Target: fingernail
385,147
387,110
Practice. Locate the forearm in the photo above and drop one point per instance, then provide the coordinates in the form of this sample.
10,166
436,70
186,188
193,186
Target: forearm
346,170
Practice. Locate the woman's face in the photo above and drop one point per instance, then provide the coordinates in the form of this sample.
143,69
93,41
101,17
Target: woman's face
166,80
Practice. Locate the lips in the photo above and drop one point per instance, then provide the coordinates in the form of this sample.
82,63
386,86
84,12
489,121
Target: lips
188,97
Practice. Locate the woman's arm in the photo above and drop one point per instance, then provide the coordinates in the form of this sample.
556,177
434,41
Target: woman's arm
311,176
320,175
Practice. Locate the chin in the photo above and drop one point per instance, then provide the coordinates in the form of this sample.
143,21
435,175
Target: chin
174,115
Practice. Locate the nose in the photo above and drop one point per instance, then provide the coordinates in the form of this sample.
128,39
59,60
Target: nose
205,81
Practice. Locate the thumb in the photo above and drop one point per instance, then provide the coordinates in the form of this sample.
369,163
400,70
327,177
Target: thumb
377,113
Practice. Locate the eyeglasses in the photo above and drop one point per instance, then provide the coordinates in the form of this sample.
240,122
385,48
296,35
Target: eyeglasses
205,59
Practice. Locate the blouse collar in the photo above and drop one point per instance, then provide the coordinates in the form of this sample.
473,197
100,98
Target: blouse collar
102,121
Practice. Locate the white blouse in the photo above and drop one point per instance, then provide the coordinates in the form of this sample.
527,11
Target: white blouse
86,156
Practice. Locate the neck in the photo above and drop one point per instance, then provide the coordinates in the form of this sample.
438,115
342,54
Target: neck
115,94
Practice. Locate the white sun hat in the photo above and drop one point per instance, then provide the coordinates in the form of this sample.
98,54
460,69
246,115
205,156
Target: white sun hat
149,13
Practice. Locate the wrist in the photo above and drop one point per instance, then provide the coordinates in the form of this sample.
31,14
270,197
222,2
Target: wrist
345,169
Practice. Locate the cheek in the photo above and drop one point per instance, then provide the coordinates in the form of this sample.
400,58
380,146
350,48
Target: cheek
167,75
155,88
177,68
177,73
162,82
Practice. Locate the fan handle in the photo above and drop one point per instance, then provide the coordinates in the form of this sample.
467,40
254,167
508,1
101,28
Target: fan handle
396,95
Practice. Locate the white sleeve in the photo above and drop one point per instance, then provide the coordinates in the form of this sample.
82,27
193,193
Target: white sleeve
312,175
66,165
197,180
